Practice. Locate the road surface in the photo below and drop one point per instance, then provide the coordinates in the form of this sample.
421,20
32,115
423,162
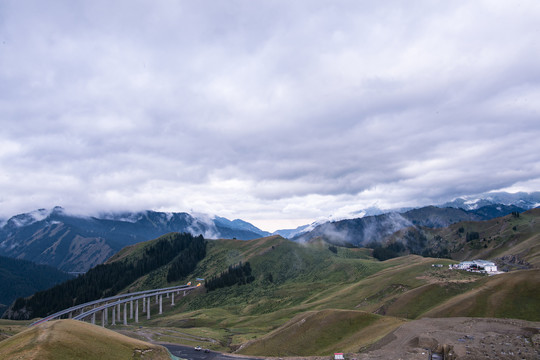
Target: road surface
188,352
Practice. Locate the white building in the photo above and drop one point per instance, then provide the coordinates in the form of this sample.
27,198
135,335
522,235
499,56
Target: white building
488,266
477,265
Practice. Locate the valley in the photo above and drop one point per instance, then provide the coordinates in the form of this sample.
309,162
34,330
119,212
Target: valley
310,299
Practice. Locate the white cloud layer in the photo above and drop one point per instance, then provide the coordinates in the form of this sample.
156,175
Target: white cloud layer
271,111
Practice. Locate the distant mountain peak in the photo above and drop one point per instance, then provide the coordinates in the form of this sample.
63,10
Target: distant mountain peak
472,202
26,219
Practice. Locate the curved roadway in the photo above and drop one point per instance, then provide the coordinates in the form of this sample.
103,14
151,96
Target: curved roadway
119,300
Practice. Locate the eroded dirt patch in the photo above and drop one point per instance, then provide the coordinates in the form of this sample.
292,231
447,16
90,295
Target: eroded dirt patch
460,338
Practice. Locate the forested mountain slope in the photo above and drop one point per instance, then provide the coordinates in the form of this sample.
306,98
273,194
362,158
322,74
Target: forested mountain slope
20,278
175,254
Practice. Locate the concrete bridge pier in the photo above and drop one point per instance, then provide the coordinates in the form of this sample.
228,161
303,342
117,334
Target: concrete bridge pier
131,309
70,314
172,301
167,295
113,316
103,313
137,311
143,304
125,313
118,312
148,309
161,304
156,299
94,319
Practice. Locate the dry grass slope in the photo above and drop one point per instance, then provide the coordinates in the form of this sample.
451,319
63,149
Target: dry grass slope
322,333
512,295
508,235
70,339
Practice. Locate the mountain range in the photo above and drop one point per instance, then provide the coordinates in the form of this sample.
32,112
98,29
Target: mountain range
373,229
75,243
522,200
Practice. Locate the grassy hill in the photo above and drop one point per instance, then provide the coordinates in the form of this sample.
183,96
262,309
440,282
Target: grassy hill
510,235
70,339
512,241
511,295
322,332
314,298
313,291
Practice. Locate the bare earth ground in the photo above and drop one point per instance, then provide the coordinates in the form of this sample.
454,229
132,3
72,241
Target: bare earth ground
457,338
460,338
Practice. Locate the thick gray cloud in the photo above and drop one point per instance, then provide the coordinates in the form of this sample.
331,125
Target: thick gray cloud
274,112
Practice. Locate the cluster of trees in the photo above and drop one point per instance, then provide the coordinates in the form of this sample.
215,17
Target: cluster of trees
236,274
109,279
386,252
473,235
185,262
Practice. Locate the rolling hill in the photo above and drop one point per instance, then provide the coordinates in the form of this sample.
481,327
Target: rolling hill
303,292
70,339
512,241
315,291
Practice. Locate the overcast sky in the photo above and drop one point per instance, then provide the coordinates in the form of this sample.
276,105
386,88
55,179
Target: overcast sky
275,112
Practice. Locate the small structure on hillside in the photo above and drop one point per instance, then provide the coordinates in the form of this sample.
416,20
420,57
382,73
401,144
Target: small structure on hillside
476,266
338,356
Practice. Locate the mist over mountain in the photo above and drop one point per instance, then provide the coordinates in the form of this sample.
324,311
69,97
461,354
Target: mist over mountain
520,199
76,243
372,229
492,204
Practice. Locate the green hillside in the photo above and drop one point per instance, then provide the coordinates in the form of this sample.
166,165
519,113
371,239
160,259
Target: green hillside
23,278
175,255
510,235
322,332
311,284
317,298
511,295
512,241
